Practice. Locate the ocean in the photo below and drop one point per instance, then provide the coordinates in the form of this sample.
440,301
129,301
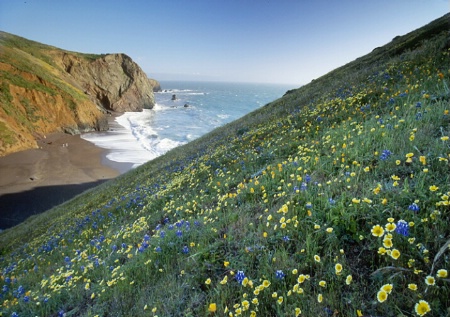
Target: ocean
199,107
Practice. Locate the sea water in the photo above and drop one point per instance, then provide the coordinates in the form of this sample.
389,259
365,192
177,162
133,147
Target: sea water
183,112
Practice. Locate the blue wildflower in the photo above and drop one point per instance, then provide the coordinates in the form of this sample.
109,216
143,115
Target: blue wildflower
331,201
285,238
279,274
158,249
418,105
414,207
385,155
185,250
402,228
179,233
162,234
240,276
308,205
20,290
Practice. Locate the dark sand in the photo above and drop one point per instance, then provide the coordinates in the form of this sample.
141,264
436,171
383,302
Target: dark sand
64,166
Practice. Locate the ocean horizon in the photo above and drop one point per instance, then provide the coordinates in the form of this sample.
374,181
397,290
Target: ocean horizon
184,111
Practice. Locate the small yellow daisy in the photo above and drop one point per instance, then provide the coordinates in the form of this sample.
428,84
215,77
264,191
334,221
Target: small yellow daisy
422,307
382,296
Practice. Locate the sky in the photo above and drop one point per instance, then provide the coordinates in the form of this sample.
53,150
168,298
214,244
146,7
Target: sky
270,41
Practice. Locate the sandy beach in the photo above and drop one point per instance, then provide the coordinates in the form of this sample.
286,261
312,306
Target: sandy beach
63,166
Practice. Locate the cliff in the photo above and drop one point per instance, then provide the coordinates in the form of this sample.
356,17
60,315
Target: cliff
44,89
114,81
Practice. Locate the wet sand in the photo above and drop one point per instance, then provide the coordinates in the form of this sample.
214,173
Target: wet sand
35,180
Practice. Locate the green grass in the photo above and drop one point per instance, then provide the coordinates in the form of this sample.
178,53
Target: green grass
277,212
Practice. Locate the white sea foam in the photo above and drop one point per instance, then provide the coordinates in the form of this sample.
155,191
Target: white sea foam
132,139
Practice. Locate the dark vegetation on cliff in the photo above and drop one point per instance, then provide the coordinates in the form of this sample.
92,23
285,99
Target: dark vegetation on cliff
330,201
44,89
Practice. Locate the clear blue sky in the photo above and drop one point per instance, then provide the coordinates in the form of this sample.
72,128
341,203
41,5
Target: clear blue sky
278,41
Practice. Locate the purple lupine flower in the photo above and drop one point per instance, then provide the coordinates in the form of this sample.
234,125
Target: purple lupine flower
240,276
402,228
279,274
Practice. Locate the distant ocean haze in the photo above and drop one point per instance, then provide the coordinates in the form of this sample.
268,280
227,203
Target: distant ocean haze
198,108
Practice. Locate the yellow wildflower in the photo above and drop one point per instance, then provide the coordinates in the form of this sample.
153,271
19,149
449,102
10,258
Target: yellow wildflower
395,254
422,307
390,226
412,287
348,280
429,280
319,298
377,231
433,188
212,307
387,243
266,283
338,268
387,288
224,281
381,296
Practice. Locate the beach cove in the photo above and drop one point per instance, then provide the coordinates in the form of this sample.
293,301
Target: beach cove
35,180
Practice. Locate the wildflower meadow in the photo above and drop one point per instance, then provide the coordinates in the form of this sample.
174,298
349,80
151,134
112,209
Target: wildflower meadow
330,201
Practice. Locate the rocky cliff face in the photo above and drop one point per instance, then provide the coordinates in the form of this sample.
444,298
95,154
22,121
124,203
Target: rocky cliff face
114,81
44,89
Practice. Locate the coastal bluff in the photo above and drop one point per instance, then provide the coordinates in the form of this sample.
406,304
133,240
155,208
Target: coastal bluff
44,89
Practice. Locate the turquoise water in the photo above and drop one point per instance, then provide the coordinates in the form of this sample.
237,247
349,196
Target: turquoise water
199,107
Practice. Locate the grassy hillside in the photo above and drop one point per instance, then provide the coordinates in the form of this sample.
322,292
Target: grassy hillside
330,201
36,96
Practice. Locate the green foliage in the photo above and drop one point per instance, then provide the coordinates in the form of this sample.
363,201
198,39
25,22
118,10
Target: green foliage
7,137
333,200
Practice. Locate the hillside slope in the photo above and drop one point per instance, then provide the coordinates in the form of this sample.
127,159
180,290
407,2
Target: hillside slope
330,201
44,89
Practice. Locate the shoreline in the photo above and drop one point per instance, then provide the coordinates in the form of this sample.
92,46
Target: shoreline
63,166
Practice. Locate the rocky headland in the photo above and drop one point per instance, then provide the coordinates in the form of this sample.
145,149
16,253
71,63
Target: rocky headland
44,89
